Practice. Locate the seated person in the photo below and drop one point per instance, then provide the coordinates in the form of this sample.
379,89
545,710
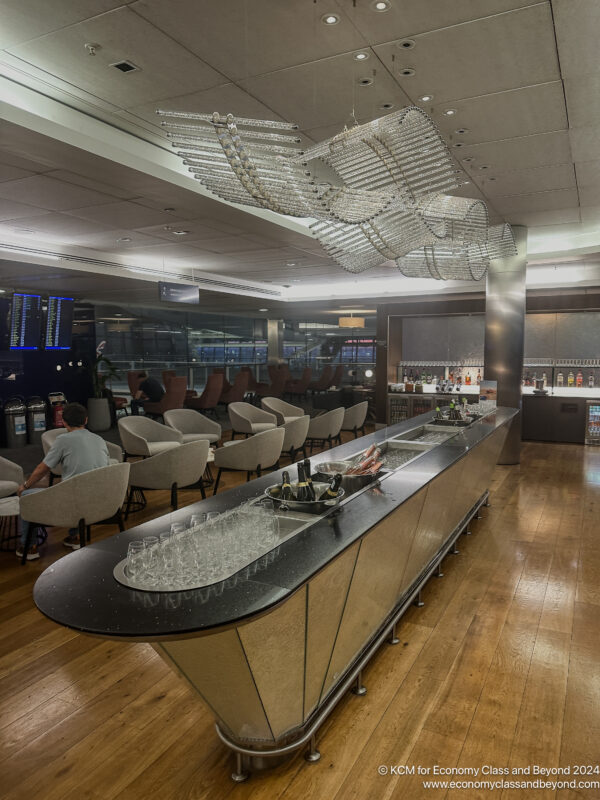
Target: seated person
77,451
149,389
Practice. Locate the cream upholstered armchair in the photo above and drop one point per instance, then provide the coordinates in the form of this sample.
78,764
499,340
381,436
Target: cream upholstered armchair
259,452
141,436
284,412
79,502
354,419
115,451
173,469
295,436
11,477
325,428
192,425
247,419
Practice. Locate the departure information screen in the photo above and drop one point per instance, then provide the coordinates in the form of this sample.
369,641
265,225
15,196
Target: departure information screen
26,321
59,323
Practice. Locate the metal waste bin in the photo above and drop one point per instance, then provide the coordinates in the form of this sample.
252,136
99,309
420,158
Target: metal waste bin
16,426
36,419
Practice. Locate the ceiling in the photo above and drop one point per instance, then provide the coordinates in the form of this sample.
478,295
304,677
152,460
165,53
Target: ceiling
521,76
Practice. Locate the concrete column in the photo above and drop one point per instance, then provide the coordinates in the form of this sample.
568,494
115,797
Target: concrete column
274,341
505,334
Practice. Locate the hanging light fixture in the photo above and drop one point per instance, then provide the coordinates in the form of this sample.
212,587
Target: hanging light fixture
390,201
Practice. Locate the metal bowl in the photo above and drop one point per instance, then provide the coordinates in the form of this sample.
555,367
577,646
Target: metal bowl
350,483
307,506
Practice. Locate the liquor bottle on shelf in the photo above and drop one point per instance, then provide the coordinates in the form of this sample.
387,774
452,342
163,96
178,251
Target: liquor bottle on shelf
302,488
560,379
451,376
468,378
478,377
285,491
545,379
534,379
404,376
309,483
579,379
571,379
591,380
332,490
410,377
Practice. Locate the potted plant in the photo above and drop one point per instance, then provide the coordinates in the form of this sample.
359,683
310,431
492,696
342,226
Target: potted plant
99,412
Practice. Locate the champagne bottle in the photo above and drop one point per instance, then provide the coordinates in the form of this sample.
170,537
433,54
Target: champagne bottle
309,483
302,488
332,490
285,491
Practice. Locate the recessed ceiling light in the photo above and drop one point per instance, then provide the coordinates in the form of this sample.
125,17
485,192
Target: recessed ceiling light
330,19
2,291
362,56
491,179
449,112
365,81
180,233
459,144
468,159
263,309
407,71
124,239
168,209
290,263
484,166
461,131
406,44
386,106
380,5
294,280
425,98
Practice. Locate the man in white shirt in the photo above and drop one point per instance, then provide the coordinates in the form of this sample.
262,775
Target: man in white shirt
77,451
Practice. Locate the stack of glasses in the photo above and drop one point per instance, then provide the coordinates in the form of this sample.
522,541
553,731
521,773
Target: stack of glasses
211,548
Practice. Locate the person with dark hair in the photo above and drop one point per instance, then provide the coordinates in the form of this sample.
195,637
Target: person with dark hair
149,390
78,450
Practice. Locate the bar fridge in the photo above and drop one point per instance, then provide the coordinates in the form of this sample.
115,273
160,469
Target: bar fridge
592,422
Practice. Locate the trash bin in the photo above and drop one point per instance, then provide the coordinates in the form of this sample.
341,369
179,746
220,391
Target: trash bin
16,426
36,419
57,402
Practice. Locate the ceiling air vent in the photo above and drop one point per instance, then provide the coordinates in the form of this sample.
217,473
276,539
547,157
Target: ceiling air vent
125,66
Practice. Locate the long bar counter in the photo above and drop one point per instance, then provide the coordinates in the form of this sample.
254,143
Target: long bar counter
272,649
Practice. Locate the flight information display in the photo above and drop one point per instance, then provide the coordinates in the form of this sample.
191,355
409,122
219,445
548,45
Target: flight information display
26,322
59,323
178,293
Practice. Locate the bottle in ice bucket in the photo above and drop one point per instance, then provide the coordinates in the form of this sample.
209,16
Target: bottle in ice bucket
285,490
309,483
332,490
302,488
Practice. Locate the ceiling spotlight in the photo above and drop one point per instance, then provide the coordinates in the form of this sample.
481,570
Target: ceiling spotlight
468,159
484,166
362,56
491,179
450,112
461,131
2,291
263,309
459,144
168,209
425,98
381,5
365,81
124,239
407,71
290,263
386,106
407,44
330,19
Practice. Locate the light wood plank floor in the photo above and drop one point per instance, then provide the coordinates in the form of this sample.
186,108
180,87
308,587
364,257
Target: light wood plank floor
501,667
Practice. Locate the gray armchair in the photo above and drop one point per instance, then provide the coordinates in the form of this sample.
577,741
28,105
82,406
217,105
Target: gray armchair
11,477
192,425
354,419
247,419
325,428
284,412
295,436
141,436
79,502
255,454
173,469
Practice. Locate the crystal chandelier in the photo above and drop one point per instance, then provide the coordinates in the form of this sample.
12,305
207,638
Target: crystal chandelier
387,201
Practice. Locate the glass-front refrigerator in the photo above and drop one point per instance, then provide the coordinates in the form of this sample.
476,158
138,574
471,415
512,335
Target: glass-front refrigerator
592,422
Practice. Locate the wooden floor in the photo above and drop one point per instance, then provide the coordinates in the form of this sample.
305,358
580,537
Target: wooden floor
501,667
